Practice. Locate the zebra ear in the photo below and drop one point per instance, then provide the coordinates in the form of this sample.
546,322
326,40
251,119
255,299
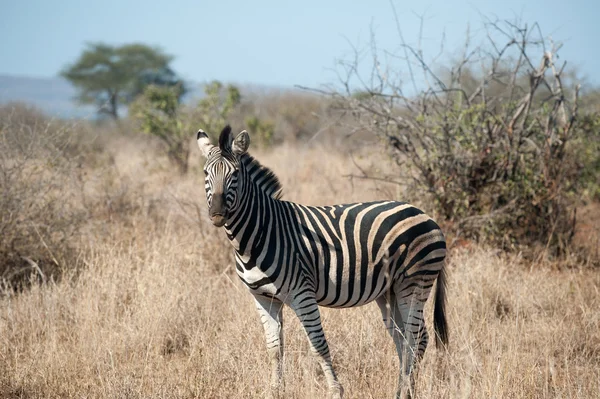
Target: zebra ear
241,143
204,143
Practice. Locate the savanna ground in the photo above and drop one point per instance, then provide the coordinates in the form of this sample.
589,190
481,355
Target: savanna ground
150,306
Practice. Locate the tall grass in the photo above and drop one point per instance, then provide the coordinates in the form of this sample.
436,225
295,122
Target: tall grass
156,310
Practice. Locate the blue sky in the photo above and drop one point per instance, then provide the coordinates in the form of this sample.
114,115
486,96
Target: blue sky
275,43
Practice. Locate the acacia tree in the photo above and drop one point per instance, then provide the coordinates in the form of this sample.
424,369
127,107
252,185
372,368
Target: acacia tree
112,76
488,139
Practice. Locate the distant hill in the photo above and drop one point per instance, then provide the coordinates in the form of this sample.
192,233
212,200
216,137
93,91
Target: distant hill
55,96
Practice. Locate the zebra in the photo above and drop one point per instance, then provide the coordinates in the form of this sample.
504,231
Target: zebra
335,256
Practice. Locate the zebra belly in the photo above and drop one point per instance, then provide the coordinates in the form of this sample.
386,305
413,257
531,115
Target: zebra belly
354,287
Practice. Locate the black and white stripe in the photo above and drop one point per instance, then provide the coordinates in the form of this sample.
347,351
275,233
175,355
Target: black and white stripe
335,256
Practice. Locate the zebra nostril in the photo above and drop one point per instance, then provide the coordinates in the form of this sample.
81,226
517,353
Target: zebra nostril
218,220
217,206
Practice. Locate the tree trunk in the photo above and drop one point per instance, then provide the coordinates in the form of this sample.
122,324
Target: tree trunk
114,106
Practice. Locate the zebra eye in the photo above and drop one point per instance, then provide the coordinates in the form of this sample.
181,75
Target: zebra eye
235,173
205,172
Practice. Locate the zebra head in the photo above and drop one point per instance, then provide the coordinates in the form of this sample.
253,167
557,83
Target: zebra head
222,170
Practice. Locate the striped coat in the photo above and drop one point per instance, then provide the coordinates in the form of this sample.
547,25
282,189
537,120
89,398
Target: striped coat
336,256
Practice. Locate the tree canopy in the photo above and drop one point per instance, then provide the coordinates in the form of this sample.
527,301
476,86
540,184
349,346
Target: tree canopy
111,76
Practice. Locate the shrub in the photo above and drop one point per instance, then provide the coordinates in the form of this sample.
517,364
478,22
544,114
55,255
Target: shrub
40,181
214,109
292,115
494,149
262,131
159,113
587,148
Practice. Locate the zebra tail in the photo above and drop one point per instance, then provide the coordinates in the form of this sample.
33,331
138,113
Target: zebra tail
440,324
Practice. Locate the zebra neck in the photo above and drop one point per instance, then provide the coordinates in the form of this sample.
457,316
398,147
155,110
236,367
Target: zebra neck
247,227
259,196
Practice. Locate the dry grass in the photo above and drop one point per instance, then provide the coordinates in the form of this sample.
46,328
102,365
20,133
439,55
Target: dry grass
158,312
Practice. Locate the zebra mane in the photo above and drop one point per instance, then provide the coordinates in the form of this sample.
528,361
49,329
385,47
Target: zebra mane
263,177
224,139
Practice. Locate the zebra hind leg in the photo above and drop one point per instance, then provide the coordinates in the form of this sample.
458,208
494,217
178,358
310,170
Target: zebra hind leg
271,316
394,325
307,310
410,306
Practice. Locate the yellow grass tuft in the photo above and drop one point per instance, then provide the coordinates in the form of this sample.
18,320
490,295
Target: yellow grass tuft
158,312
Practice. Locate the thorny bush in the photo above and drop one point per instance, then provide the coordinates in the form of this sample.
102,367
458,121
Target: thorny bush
496,148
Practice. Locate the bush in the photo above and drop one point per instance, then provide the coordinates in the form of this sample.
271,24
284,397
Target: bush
587,148
262,131
293,116
496,149
159,113
213,111
40,181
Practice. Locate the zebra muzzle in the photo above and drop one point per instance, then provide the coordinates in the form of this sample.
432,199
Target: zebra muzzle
218,220
217,210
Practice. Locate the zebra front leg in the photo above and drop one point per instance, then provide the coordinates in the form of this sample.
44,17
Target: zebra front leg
307,310
271,316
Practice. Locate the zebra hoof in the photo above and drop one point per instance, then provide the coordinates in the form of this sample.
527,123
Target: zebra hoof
336,393
403,395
